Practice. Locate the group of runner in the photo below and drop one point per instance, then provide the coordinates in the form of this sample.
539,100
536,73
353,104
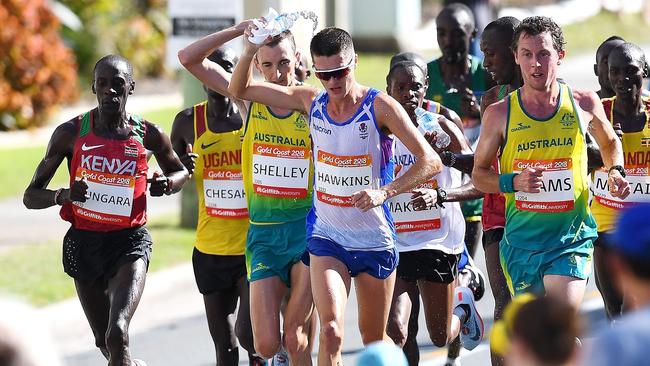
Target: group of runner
301,190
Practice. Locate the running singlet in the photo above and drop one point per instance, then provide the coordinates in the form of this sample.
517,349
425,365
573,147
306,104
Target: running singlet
636,152
441,93
558,215
493,216
349,156
436,228
277,166
223,216
116,174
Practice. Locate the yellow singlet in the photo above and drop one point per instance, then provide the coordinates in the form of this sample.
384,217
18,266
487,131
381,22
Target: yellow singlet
223,216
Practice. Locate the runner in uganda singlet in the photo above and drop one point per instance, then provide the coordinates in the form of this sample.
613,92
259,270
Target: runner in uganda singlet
223,215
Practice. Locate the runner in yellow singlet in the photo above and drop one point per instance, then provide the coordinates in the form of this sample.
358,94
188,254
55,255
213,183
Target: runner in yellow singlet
629,113
540,128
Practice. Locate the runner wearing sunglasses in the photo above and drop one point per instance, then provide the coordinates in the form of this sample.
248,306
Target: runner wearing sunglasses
350,233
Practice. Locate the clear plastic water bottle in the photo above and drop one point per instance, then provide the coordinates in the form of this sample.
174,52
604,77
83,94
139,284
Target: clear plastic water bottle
429,123
278,23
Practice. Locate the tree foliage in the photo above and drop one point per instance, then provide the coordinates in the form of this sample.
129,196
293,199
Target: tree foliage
37,71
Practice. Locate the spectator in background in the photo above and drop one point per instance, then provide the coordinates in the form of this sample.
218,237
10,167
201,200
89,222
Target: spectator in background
484,13
626,343
537,332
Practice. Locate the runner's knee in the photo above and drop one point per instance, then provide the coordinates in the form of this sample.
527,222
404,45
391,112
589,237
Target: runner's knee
331,336
266,347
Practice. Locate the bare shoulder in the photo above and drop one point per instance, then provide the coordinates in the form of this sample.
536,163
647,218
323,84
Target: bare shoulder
385,104
587,99
498,110
489,97
184,117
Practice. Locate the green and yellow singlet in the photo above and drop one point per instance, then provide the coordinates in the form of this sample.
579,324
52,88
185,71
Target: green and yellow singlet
277,166
559,215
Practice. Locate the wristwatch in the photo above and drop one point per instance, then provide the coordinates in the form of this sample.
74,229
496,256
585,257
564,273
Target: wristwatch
442,196
619,168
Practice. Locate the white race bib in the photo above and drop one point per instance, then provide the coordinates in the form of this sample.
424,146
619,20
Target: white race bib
557,191
639,187
339,177
223,191
280,171
109,198
407,219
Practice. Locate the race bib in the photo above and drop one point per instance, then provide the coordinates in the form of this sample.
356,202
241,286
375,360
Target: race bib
339,177
557,191
280,171
109,198
223,191
639,180
406,219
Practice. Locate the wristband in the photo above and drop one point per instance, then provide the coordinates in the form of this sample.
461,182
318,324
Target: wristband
57,194
506,182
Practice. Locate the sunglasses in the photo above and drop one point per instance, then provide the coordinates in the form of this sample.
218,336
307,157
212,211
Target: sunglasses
336,73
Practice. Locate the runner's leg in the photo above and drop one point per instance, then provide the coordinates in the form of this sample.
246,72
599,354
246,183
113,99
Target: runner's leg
330,282
265,297
219,308
604,281
243,327
95,303
402,328
374,298
566,288
297,316
498,283
473,236
124,292
437,299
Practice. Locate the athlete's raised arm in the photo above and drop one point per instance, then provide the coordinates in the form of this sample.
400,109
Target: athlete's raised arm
243,86
194,57
60,147
601,129
492,136
175,173
393,118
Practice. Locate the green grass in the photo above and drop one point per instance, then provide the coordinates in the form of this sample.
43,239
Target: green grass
587,35
34,272
17,166
163,117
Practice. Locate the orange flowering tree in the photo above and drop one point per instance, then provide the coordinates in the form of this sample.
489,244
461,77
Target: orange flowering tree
37,71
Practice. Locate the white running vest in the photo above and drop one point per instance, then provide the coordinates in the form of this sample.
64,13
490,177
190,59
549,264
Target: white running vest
348,157
436,228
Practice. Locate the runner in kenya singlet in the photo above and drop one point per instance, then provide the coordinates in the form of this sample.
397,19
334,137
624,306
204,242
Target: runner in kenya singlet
276,162
223,216
116,174
349,156
636,152
558,215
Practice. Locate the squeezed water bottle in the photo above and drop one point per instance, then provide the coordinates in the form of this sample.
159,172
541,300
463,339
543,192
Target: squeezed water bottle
429,123
278,23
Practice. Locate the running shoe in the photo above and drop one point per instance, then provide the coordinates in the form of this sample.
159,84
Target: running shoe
258,361
471,331
281,358
474,279
137,362
454,362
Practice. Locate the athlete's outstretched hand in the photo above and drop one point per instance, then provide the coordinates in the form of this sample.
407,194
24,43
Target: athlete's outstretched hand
77,192
189,159
369,198
159,184
423,198
619,187
529,180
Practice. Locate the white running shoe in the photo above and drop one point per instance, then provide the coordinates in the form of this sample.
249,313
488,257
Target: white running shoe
471,331
281,358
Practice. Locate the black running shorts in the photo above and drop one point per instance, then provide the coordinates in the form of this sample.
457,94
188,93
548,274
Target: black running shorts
217,273
89,256
429,265
492,236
